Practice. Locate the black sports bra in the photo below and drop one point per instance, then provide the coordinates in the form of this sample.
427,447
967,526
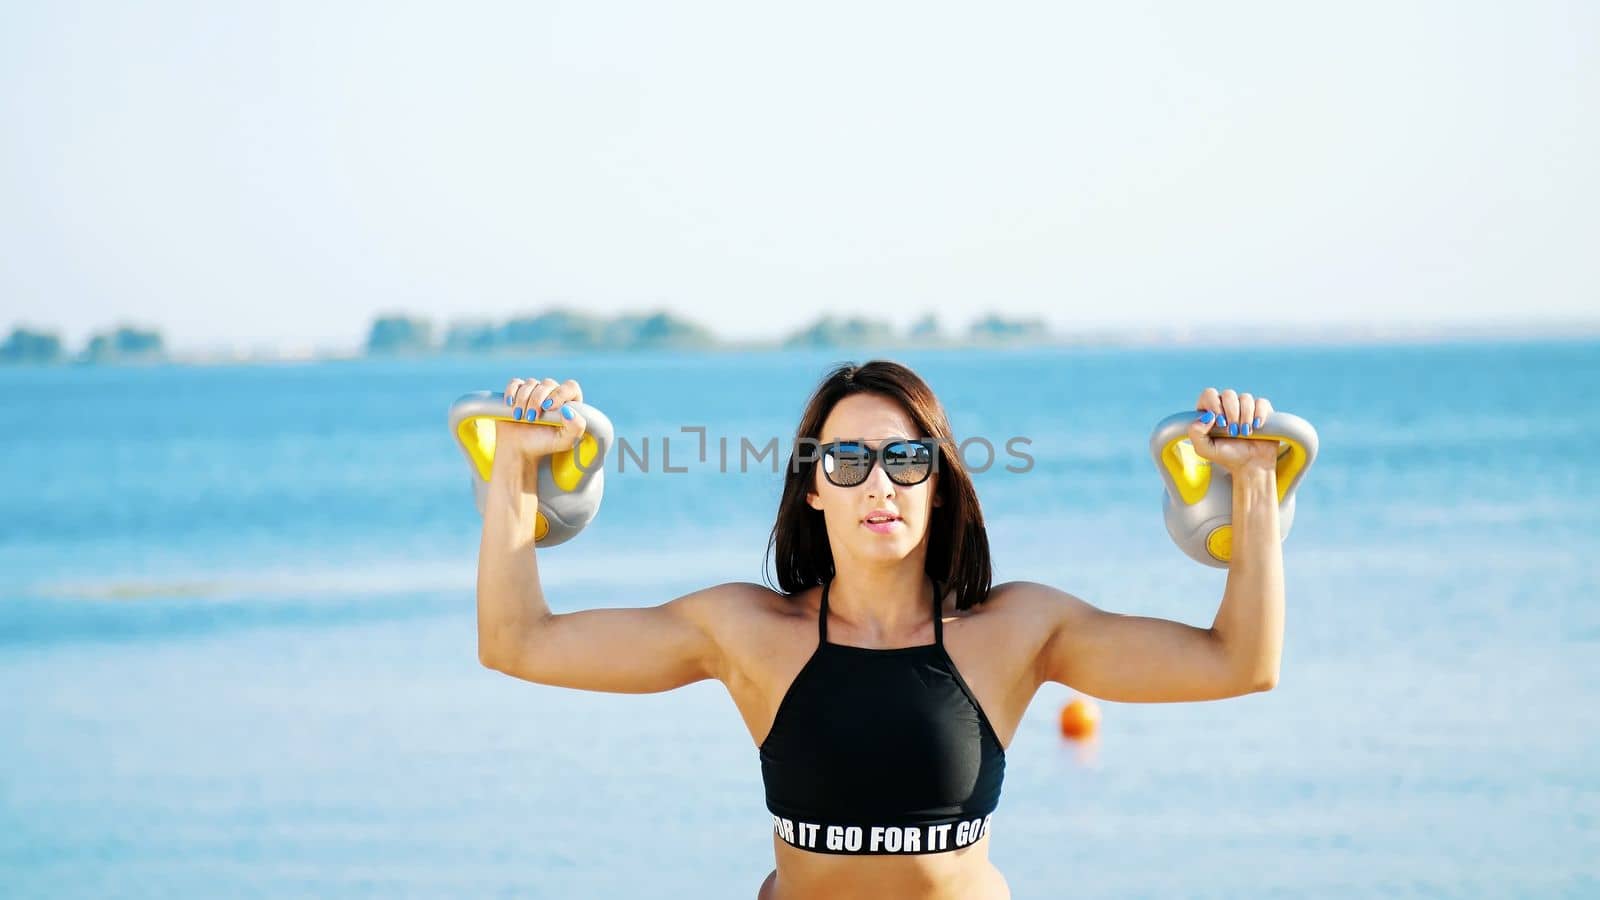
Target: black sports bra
876,751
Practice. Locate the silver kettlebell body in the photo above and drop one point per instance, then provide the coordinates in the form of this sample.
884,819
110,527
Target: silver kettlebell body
1198,505
571,483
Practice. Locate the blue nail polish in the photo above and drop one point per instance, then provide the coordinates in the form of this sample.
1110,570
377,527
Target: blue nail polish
566,411
1222,420
548,402
1256,424
1207,417
519,414
1233,430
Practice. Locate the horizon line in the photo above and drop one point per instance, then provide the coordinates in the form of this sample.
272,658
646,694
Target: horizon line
1131,337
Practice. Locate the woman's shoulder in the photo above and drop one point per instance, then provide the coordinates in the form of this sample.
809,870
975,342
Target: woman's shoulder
754,624
742,605
747,595
1027,601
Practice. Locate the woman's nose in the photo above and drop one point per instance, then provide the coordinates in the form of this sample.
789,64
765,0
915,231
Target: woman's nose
879,484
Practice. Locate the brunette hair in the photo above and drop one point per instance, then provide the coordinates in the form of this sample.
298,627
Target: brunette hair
958,545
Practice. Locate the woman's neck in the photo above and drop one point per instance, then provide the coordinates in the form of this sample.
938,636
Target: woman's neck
882,604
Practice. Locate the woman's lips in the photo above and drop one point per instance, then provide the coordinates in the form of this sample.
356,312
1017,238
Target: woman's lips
882,527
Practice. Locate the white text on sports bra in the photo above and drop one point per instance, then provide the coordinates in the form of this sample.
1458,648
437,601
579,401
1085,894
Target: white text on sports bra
881,838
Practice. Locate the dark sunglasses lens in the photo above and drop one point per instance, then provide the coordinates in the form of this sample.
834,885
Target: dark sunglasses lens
846,464
907,462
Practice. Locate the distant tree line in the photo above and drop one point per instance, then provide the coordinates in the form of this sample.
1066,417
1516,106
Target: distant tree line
126,343
833,331
563,329
554,329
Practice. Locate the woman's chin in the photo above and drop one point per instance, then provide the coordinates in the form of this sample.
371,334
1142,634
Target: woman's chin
884,548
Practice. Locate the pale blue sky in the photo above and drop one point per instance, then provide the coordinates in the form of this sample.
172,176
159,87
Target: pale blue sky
250,173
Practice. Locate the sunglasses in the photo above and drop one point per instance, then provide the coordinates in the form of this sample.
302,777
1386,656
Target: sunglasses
906,462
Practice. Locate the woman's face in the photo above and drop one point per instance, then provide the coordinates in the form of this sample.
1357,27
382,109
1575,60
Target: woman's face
873,420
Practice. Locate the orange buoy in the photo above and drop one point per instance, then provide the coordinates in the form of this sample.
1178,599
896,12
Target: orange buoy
1080,718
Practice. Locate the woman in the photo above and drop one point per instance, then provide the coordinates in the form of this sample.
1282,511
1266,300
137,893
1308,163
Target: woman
883,683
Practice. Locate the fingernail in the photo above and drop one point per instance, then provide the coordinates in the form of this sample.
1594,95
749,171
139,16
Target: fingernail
1233,430
508,399
1222,420
519,414
548,402
1256,424
566,411
1207,416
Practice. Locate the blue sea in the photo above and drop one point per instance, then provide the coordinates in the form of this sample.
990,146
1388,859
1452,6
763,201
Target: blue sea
238,658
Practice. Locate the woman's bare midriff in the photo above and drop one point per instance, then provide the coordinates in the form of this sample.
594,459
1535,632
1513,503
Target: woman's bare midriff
965,874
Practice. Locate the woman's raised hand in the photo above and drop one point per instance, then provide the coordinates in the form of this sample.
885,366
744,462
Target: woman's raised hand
1242,414
544,400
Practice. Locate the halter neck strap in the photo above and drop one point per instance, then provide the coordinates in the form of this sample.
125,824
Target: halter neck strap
822,616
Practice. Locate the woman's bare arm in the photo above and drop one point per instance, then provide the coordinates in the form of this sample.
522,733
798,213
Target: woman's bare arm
1135,659
625,650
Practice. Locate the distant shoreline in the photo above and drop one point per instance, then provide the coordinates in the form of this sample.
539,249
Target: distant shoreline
1131,338
1176,339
